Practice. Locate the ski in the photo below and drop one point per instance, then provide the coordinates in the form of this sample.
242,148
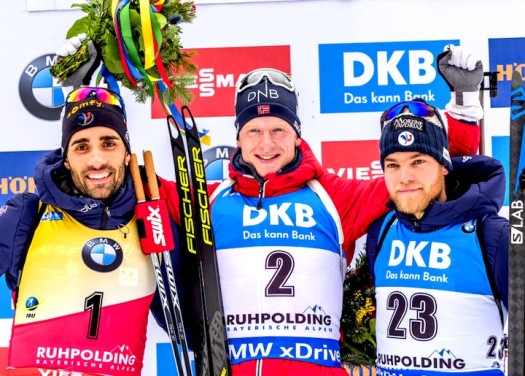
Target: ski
516,319
212,355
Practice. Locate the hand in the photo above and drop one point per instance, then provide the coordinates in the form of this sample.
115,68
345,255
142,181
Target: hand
71,46
144,178
462,70
86,52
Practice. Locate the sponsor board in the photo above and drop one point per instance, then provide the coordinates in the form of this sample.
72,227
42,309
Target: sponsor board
505,56
368,77
16,173
38,90
218,72
352,159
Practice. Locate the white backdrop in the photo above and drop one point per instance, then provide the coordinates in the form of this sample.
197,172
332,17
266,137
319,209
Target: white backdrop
302,25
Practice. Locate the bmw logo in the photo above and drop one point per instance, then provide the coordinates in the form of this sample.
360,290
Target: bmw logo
216,161
102,254
469,227
38,90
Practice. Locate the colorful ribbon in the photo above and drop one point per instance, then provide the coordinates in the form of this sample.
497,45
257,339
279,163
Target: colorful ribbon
172,110
132,66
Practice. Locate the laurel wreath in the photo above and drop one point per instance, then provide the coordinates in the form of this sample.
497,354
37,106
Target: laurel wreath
99,26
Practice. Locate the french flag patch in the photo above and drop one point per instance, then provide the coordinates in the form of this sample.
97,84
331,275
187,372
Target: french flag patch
263,109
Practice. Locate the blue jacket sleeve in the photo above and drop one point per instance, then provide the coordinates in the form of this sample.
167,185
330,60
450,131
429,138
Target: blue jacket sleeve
16,221
372,238
496,238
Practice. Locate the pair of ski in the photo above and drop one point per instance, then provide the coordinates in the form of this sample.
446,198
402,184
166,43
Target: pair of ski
516,322
197,234
210,346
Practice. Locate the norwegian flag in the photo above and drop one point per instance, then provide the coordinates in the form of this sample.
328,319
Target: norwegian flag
263,109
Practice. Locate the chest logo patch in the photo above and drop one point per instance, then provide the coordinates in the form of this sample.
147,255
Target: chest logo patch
469,227
102,254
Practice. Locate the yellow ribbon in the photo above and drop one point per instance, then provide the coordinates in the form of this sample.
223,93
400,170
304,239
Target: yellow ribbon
147,34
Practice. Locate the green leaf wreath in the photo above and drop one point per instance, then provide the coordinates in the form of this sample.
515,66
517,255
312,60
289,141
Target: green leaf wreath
99,27
358,319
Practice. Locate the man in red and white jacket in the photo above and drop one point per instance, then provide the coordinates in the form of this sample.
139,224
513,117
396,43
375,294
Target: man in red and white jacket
285,229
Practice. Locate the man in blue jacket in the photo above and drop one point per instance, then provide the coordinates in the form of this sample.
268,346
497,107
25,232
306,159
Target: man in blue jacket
72,252
439,258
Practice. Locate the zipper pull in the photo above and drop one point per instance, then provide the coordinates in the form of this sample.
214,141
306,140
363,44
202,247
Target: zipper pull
261,193
124,230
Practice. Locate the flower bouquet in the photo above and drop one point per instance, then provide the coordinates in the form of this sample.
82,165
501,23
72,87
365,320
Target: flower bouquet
138,42
358,319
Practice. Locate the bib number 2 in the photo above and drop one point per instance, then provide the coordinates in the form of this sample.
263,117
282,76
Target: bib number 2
283,263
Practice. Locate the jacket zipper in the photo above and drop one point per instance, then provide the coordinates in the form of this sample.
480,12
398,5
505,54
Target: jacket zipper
261,194
107,214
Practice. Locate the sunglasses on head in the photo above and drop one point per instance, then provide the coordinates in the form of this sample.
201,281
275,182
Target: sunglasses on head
274,76
103,95
416,108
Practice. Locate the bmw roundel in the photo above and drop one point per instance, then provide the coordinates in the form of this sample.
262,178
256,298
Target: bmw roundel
39,92
216,161
469,227
102,254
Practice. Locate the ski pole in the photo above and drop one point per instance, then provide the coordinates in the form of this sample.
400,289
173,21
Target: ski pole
149,213
155,196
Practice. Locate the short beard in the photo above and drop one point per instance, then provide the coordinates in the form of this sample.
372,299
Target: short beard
413,206
104,192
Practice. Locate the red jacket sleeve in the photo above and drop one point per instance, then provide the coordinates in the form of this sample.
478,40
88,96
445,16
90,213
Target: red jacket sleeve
169,194
358,202
463,138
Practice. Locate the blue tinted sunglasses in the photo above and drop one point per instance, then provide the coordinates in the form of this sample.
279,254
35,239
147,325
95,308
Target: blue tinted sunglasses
416,108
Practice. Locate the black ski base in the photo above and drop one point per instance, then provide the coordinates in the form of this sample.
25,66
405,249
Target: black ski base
211,354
